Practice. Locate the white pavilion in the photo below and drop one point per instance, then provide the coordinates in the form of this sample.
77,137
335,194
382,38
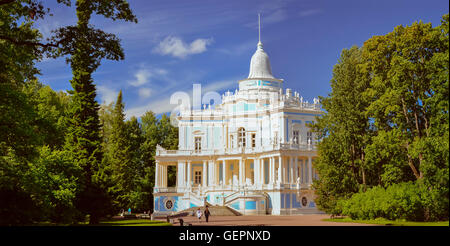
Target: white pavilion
253,152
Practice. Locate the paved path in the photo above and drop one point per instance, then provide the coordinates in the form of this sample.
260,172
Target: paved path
268,220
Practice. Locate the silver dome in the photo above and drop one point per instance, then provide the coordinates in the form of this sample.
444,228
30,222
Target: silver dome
260,64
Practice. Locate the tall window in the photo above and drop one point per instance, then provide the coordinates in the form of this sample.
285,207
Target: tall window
309,137
198,144
253,140
241,137
231,141
296,136
197,177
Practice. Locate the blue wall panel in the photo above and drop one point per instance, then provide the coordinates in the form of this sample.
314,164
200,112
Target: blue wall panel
235,205
295,203
157,203
250,205
288,200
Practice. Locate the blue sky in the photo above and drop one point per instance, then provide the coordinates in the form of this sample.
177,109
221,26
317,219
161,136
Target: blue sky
178,43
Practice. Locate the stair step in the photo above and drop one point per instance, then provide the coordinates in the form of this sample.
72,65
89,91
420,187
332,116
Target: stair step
214,210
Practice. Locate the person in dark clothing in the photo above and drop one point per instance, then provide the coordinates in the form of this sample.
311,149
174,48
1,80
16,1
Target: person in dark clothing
207,213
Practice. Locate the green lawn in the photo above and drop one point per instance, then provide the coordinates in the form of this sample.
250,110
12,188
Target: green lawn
134,222
390,222
126,222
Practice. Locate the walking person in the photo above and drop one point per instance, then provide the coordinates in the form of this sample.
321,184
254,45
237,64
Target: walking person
199,214
207,213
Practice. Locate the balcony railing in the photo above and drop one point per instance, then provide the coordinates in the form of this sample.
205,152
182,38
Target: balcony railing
164,189
230,151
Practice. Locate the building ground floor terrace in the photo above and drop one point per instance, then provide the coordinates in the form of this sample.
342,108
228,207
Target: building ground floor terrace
276,182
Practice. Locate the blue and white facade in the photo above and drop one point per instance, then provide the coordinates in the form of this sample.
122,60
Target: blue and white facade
254,152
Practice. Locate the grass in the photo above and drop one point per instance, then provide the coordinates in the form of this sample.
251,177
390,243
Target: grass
113,222
381,221
134,222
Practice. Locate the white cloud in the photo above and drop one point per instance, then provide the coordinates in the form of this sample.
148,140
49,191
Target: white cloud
107,95
158,107
309,12
176,47
240,48
143,75
220,85
144,92
162,105
277,16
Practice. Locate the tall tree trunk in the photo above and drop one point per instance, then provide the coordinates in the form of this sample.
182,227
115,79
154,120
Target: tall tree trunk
411,164
363,171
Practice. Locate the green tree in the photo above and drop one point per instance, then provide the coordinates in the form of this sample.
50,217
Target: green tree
17,136
389,99
51,108
120,157
138,197
168,139
86,47
149,124
343,132
156,132
55,185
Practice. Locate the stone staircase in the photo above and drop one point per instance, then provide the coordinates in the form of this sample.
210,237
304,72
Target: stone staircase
214,210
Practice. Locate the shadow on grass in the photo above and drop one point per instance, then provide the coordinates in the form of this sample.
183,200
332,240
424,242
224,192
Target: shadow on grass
135,222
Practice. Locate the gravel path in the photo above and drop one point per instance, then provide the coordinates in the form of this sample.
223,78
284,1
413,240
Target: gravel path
267,220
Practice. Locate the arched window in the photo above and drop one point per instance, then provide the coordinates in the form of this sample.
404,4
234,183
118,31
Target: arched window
241,137
198,144
309,137
296,137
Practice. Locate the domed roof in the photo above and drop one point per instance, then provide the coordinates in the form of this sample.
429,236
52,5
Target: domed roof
260,64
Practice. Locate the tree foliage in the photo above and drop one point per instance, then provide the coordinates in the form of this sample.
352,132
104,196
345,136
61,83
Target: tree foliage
386,119
129,147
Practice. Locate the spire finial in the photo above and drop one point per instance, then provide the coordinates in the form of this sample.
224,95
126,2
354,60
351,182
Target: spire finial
260,46
259,27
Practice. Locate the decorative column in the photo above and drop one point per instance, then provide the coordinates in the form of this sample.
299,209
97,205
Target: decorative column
256,169
209,176
161,175
224,181
261,173
273,168
309,170
280,169
213,173
287,172
164,175
241,172
291,170
183,174
157,174
179,171
296,169
189,174
271,171
204,176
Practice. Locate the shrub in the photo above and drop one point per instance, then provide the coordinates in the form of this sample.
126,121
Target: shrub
408,201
